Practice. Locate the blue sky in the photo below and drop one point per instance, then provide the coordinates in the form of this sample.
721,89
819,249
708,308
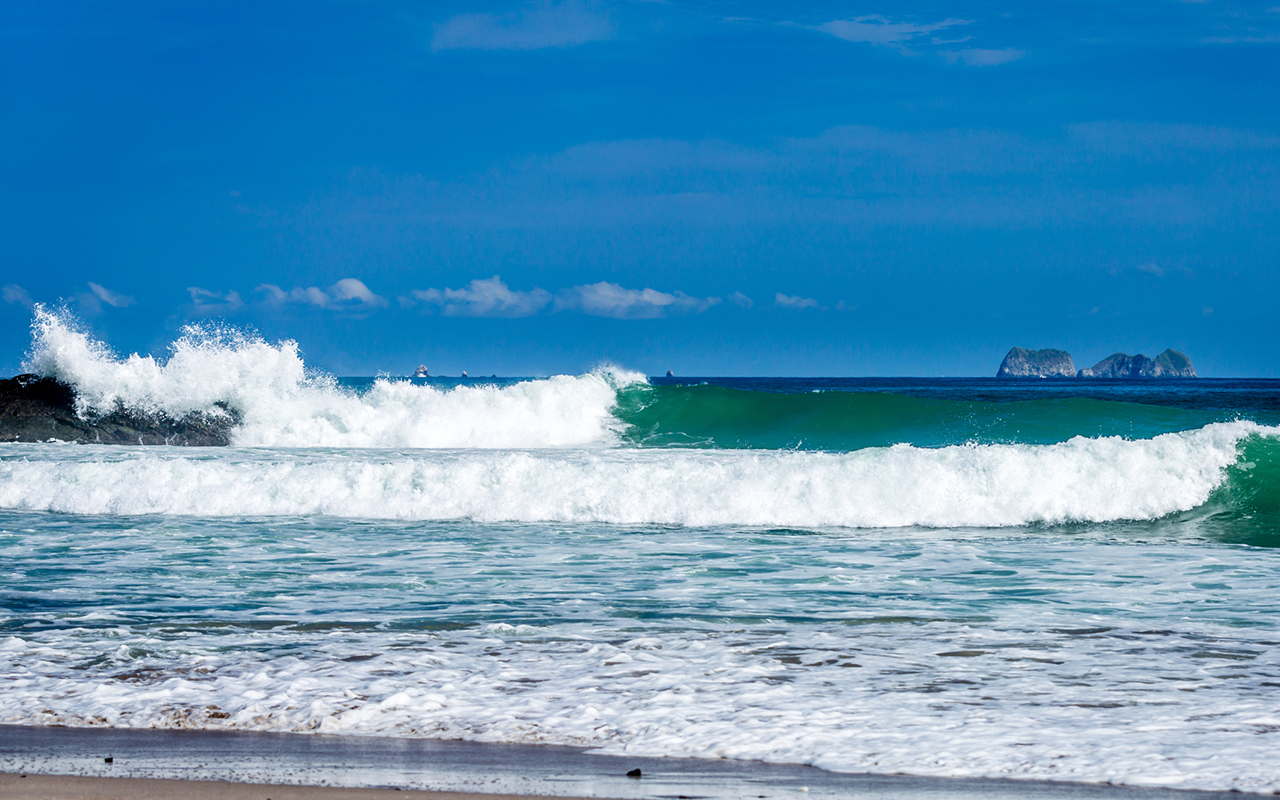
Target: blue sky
717,188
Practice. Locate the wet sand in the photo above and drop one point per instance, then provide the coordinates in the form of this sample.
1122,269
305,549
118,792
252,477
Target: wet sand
72,763
70,787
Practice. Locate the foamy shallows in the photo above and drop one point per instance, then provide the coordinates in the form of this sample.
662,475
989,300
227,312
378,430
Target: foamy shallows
1053,579
1116,655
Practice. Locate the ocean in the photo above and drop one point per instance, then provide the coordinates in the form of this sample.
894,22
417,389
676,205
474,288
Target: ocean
1066,580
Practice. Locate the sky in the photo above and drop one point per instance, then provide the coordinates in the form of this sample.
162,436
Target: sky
714,188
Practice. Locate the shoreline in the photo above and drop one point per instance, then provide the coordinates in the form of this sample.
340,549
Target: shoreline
65,763
31,786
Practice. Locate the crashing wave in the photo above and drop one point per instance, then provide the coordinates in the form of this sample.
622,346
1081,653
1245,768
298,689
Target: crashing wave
1082,480
280,403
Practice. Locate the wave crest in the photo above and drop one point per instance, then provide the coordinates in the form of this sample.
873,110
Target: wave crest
1082,480
282,404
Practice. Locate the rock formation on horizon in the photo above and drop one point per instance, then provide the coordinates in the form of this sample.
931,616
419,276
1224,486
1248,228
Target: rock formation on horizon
1169,364
37,409
1048,363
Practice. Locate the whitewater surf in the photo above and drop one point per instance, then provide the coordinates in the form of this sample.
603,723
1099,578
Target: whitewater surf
949,577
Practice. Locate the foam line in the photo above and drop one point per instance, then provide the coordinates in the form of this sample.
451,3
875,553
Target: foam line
1093,480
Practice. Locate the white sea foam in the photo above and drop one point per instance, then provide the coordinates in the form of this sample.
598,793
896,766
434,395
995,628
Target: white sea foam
282,405
206,366
1007,698
1081,480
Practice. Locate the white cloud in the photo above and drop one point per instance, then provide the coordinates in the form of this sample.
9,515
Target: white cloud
13,293
606,299
482,298
274,293
975,57
741,300
113,299
204,301
880,31
1153,268
546,24
348,293
351,289
794,301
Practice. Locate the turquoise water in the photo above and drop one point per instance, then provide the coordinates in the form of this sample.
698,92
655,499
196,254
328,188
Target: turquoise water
847,414
1070,580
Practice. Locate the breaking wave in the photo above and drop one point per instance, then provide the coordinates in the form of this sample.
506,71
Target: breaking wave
280,403
601,447
1081,480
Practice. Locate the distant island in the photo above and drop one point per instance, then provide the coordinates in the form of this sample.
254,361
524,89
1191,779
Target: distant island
1050,363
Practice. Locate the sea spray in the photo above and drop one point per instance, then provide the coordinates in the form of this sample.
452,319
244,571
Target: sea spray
283,404
207,366
554,412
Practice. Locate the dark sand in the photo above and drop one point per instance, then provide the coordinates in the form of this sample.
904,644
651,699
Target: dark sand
237,765
71,787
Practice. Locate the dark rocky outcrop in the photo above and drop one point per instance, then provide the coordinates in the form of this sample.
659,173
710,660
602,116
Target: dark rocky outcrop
36,409
1049,363
1169,364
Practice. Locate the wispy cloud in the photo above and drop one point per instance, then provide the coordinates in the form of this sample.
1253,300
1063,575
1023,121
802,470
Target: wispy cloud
883,32
348,293
880,31
91,302
1268,38
204,301
794,301
13,293
481,298
1152,268
975,57
741,300
978,178
113,299
1166,140
546,24
606,299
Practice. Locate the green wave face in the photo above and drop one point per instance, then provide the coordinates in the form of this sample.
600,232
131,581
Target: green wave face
1246,508
719,417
